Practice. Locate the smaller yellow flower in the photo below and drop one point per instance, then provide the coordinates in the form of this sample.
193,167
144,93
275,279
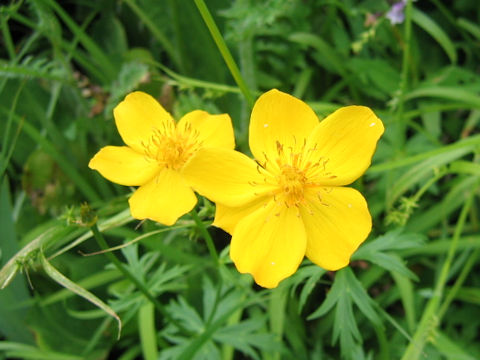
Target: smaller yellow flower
290,201
156,153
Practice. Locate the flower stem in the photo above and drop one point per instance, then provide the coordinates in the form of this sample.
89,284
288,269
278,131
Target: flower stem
206,235
406,61
140,286
222,47
431,317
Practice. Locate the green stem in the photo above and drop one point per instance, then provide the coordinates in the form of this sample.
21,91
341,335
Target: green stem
7,37
157,34
222,47
140,286
431,317
399,120
206,235
459,282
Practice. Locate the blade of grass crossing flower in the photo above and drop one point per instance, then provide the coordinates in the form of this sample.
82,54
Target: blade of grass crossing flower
431,27
430,319
226,54
148,334
69,284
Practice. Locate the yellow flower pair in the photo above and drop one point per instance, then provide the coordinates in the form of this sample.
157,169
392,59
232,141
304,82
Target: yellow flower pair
287,203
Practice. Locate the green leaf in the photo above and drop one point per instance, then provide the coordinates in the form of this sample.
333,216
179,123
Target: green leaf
450,348
360,297
470,26
326,55
405,288
469,143
247,335
12,319
67,283
456,94
148,334
346,291
380,251
431,27
22,351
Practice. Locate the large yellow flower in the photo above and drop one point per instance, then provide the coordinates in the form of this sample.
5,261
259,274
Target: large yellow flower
290,201
157,152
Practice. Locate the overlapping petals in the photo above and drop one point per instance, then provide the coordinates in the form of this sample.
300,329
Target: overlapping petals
225,176
212,130
157,152
124,166
164,199
288,203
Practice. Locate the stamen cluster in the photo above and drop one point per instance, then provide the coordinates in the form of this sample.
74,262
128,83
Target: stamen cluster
172,146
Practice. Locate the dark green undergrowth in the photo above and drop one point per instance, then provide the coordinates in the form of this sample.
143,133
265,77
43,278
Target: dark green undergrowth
412,290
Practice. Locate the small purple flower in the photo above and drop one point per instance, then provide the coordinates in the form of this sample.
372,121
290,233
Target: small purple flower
396,14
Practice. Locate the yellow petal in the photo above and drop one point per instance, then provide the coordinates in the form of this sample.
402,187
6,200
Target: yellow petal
227,217
212,130
280,117
164,199
268,244
123,166
136,118
224,176
346,140
337,221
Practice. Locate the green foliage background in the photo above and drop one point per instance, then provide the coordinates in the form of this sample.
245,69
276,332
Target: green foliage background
412,290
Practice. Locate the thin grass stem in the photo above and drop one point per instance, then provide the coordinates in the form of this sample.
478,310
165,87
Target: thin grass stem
226,54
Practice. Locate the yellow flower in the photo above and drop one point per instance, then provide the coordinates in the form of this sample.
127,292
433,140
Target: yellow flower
290,202
156,153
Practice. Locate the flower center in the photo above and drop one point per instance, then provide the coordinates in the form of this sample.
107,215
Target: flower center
291,172
292,182
172,146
